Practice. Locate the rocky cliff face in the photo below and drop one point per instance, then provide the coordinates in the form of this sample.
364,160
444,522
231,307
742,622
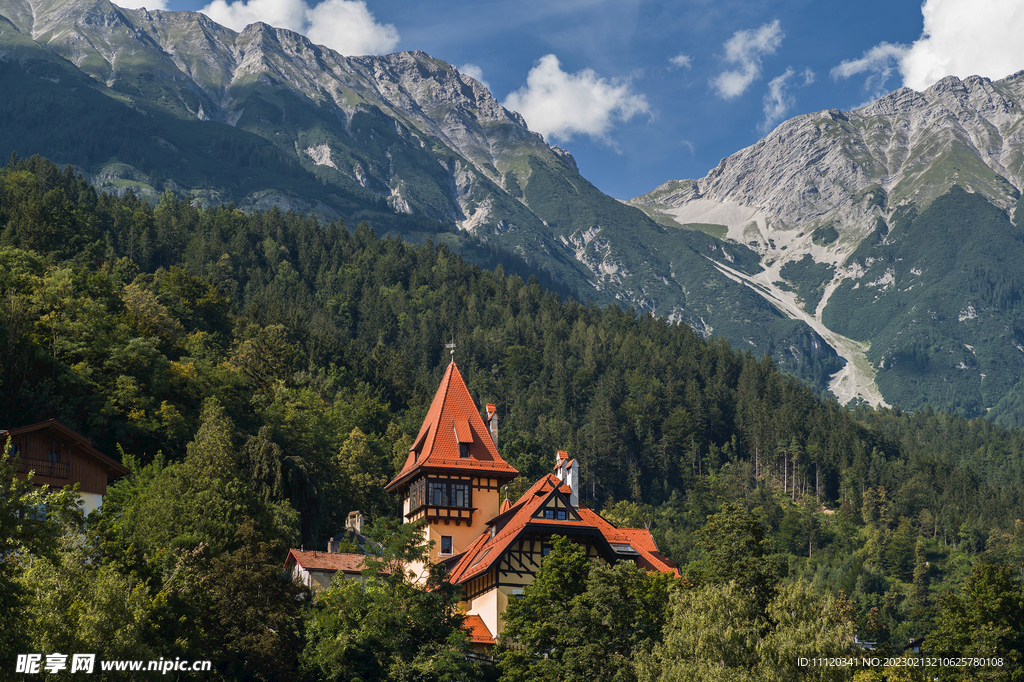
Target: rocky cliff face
832,203
848,168
208,71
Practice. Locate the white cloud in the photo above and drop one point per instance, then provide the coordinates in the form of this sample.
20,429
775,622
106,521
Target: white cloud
560,105
745,49
809,76
879,63
777,102
476,73
689,145
683,61
965,38
960,38
347,26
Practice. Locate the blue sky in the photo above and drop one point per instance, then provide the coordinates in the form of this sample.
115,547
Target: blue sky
647,91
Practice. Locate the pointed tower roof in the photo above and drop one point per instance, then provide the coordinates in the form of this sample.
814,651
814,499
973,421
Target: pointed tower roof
452,420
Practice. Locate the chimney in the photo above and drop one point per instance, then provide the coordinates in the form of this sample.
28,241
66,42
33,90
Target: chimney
573,476
492,423
354,522
334,546
568,472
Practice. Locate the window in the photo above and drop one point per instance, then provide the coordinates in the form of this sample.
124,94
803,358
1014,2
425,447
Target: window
446,544
562,516
517,592
448,494
549,513
54,456
438,493
460,494
417,494
545,549
463,450
15,450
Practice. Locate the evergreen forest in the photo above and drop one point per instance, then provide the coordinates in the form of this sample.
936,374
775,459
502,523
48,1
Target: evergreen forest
263,374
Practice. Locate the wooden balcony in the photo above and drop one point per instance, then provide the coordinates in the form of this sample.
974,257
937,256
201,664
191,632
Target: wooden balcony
43,467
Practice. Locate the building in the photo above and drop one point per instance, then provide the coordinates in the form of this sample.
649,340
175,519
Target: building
451,479
453,473
316,569
61,456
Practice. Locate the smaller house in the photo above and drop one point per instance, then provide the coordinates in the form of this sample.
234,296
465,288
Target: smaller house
316,569
61,456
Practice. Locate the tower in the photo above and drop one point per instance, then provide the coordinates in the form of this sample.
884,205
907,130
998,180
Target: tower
453,474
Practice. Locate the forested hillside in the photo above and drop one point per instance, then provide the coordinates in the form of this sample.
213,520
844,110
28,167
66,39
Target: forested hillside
263,374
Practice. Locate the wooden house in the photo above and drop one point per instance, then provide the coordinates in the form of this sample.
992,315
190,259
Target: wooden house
61,456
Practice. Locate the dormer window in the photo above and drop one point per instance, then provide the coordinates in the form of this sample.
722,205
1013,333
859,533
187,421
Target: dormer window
463,436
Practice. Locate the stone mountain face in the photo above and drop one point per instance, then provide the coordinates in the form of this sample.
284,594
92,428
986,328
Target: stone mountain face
154,101
850,215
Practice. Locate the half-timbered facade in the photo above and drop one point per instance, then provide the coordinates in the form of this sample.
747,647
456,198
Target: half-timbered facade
505,558
452,478
60,456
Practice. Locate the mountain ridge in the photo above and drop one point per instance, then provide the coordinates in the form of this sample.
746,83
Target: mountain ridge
820,199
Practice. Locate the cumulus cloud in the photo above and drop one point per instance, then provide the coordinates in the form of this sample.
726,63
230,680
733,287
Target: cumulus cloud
476,73
965,38
560,105
347,26
683,61
777,101
746,49
960,38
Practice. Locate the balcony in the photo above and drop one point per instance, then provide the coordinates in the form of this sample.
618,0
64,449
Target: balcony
43,467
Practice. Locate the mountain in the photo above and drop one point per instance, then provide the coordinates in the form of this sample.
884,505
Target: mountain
154,101
893,230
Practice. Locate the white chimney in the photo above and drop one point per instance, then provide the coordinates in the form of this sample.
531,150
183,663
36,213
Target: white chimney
568,472
354,522
573,476
492,423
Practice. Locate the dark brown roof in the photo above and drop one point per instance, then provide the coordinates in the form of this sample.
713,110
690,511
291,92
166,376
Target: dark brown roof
113,467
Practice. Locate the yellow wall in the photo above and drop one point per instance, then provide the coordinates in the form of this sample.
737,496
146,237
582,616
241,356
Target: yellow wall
486,503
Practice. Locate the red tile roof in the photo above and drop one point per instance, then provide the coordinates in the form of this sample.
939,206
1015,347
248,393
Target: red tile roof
485,550
453,418
478,632
324,562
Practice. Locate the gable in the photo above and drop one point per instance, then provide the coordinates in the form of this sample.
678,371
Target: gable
556,508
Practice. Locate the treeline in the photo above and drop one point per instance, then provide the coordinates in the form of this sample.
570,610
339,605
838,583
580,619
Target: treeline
317,350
